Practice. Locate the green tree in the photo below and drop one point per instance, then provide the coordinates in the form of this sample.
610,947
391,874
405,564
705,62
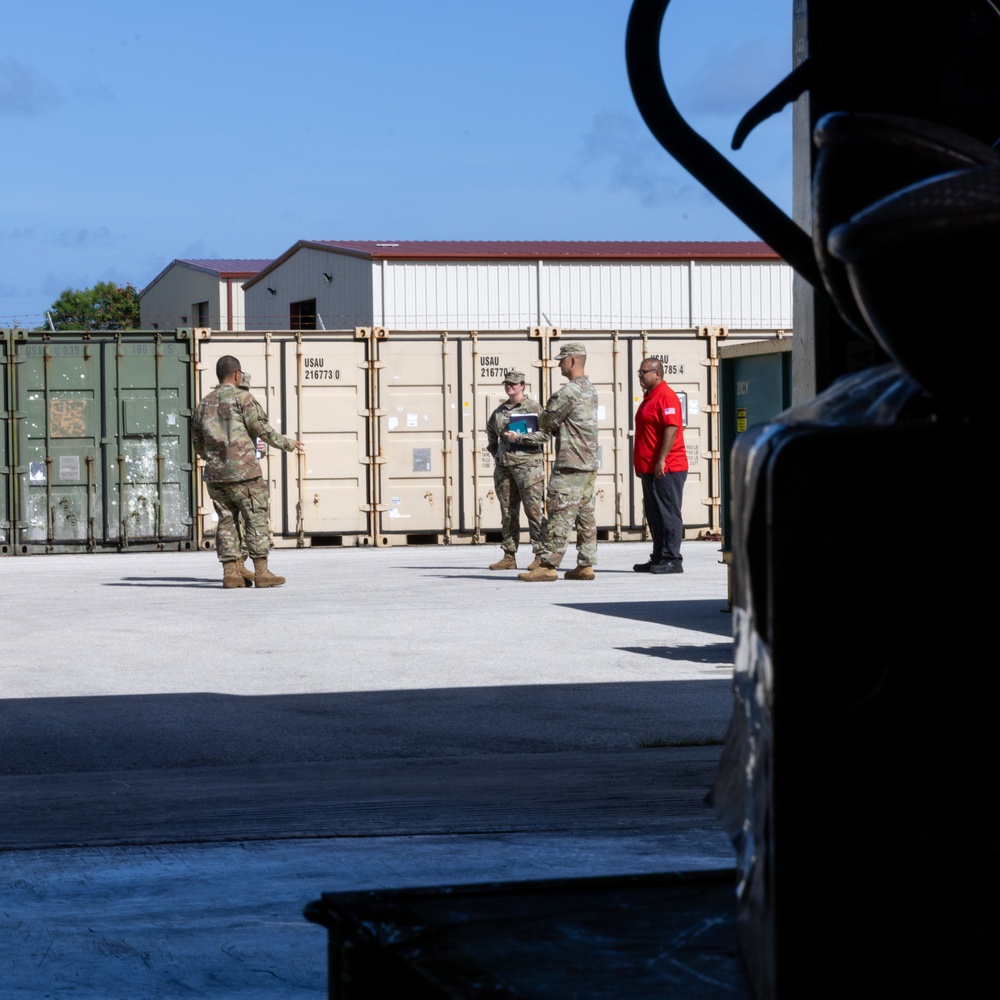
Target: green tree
104,306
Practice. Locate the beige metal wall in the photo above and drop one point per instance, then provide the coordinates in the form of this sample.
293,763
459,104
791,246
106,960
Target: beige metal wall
483,358
395,426
314,387
170,302
326,392
416,433
687,370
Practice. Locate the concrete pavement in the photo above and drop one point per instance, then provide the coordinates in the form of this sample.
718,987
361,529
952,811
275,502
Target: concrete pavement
184,767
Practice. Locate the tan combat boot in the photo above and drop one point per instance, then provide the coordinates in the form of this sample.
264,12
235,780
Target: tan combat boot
246,572
581,573
544,572
536,562
508,562
231,579
264,577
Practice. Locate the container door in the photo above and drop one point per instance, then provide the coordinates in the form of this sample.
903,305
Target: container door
327,491
7,475
59,435
683,355
262,357
483,359
755,385
148,477
417,430
607,363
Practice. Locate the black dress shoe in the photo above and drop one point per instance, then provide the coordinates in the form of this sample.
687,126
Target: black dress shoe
642,567
666,567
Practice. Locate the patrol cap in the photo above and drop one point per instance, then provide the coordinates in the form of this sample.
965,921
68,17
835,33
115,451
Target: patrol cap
574,347
513,375
245,381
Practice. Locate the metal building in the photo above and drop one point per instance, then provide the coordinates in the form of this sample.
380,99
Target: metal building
506,285
197,293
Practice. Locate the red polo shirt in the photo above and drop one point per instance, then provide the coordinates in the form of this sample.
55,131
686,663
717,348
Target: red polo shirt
660,408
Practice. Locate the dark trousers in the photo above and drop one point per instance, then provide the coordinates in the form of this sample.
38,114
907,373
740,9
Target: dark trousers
661,500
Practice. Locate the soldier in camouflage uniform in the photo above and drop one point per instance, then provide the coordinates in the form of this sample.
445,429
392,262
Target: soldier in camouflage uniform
518,472
224,430
226,521
570,414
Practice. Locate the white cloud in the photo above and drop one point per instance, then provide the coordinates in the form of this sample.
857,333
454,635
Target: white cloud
620,151
23,92
79,239
732,86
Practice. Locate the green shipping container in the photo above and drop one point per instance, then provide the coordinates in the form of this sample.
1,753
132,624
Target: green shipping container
99,453
755,383
6,479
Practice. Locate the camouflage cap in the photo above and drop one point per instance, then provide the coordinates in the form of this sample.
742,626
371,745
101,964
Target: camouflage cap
573,348
513,375
245,381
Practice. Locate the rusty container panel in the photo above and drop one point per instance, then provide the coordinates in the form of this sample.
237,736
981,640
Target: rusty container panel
327,490
483,359
60,462
416,430
150,476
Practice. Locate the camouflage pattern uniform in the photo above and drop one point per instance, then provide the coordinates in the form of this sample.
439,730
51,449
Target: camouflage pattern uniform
224,430
518,476
570,414
227,522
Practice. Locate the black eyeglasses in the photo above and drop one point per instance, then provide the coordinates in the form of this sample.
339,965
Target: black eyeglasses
645,371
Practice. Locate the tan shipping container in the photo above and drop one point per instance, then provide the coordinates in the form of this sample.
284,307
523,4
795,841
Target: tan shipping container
395,427
314,386
416,431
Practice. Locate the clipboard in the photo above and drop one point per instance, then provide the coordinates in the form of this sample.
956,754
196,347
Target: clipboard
524,423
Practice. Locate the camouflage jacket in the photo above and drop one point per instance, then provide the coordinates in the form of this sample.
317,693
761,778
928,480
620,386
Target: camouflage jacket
570,414
225,426
504,453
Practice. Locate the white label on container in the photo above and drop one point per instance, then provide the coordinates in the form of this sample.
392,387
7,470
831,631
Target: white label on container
69,468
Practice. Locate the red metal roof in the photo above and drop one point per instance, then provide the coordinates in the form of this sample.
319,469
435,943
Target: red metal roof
529,250
229,267
583,249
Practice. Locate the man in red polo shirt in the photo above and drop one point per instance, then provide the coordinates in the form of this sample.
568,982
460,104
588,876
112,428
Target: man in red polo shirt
660,461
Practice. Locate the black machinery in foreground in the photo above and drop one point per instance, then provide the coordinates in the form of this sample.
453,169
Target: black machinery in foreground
859,777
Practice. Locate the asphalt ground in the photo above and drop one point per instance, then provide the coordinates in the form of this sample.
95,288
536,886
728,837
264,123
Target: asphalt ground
184,768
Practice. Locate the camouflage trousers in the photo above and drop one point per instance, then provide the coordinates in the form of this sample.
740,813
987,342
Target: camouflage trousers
571,505
517,486
228,524
243,519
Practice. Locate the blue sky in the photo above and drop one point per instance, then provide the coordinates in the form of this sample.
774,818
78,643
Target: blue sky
135,134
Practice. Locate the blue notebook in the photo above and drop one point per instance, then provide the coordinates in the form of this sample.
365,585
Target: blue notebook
524,423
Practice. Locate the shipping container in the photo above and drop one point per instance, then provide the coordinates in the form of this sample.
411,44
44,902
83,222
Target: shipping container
98,445
482,360
7,482
755,385
314,388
